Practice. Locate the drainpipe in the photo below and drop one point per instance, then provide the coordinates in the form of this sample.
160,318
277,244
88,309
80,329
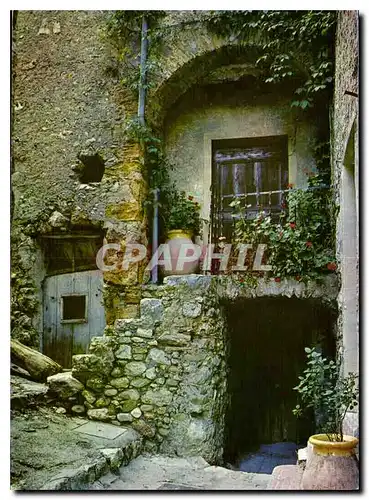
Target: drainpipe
141,117
141,88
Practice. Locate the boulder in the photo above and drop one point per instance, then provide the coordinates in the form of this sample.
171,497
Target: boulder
64,385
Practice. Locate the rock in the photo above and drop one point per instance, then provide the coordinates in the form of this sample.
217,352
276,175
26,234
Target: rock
140,382
151,310
79,409
100,414
111,392
136,413
191,280
190,437
135,368
128,405
200,375
56,28
120,383
124,352
191,309
127,326
143,428
86,366
96,384
150,373
114,457
25,391
174,339
146,408
102,402
57,220
144,332
103,348
79,218
116,372
160,397
21,372
130,394
124,417
158,356
89,396
64,385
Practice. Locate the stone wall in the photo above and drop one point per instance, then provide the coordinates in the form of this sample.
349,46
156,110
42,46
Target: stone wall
165,373
66,106
346,182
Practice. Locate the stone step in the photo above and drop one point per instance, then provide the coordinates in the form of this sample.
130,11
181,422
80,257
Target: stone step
286,477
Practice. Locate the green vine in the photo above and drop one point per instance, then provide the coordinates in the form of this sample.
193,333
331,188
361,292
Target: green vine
296,45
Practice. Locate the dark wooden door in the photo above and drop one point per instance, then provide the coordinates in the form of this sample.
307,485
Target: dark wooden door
253,170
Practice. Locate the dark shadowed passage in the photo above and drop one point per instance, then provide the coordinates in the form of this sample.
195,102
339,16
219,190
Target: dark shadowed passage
266,341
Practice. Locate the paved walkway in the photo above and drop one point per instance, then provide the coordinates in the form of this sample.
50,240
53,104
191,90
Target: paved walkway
167,473
51,451
269,456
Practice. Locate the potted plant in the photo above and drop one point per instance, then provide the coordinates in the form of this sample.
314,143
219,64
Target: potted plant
182,224
331,463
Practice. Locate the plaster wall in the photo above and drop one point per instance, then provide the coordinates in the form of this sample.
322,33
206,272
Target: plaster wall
230,111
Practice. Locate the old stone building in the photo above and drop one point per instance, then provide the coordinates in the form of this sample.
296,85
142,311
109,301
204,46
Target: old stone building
178,361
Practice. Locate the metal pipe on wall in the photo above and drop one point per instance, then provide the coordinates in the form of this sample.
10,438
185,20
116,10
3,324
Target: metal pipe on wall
141,118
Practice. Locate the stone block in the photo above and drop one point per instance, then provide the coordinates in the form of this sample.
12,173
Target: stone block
157,356
124,417
114,457
100,414
120,383
151,311
64,385
136,413
124,352
191,309
130,394
174,339
140,382
160,397
135,368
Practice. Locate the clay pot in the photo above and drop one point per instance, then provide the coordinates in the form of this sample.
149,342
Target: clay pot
177,238
331,465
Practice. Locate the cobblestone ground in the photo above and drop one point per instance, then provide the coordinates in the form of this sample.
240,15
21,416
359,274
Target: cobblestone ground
168,473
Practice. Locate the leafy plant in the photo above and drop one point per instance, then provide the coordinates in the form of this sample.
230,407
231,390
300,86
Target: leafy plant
329,394
183,213
300,244
295,44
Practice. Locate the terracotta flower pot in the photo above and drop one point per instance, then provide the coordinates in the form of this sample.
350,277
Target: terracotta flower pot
177,238
331,465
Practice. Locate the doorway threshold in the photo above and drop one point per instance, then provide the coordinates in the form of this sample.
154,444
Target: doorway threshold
267,457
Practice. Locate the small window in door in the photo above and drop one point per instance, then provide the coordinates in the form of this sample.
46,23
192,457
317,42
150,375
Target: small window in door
74,309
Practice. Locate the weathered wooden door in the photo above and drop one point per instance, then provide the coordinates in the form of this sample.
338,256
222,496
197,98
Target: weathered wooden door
73,314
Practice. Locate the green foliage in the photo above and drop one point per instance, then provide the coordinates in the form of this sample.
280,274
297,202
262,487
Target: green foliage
330,395
295,44
300,244
183,213
123,30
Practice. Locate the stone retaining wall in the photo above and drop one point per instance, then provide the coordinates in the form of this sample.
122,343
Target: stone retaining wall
165,373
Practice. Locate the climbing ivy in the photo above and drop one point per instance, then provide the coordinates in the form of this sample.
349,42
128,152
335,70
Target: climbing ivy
123,30
296,45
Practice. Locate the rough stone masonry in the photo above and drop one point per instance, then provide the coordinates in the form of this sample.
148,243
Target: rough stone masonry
165,373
